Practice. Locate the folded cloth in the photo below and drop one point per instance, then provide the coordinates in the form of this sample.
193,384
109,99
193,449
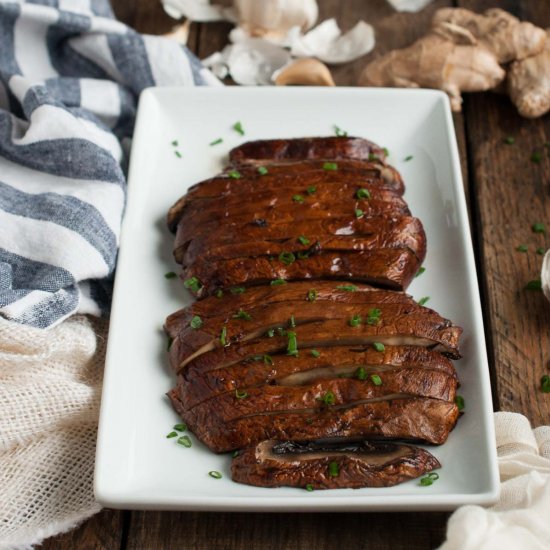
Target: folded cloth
521,518
70,77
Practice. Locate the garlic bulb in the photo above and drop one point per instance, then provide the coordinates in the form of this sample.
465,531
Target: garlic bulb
272,19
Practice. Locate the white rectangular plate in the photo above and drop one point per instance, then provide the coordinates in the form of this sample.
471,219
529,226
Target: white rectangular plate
137,467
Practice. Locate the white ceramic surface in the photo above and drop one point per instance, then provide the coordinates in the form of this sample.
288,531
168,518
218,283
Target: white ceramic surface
137,467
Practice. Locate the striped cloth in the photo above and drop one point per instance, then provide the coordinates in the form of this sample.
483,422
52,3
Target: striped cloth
70,77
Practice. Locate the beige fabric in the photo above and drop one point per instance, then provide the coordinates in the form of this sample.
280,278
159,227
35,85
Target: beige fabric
521,518
50,389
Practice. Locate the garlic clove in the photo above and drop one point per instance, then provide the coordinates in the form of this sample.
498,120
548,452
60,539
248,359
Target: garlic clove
409,5
545,275
197,10
304,72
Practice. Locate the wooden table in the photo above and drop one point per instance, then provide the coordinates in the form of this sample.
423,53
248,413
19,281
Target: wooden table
507,194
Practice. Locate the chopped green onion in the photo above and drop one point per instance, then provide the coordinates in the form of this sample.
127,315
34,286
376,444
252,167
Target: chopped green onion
541,251
361,373
267,359
302,255
235,454
538,228
292,322
219,293
193,284
196,322
358,213
292,348
237,290
238,127
363,194
328,398
315,353
534,285
309,487
373,316
522,248
180,427
333,469
420,271
407,158
216,142
240,394
241,314
536,157
175,143
178,154
171,434
169,342
235,174
509,140
215,474
303,240
376,380
287,258
298,198
170,275
311,190
347,288
262,170
355,321
223,336
330,166
270,333
423,300
311,295
459,400
386,152
429,479
545,384
184,440
339,132
378,346
278,282
373,156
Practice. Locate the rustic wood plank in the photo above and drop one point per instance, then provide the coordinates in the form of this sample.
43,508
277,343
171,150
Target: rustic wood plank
510,194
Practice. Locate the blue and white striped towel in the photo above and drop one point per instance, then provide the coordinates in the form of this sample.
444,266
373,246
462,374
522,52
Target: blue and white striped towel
70,76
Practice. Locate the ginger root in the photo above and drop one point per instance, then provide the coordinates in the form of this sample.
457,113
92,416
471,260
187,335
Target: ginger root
501,32
529,83
449,58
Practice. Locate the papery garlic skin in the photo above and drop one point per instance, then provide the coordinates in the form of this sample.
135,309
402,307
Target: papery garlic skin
545,275
272,19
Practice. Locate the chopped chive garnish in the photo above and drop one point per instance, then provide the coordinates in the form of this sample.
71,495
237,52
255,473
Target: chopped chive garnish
196,322
311,295
192,284
423,300
170,275
237,290
223,336
298,198
538,228
292,322
315,353
235,454
379,346
373,156
215,474
303,240
362,193
270,333
309,487
169,342
219,293
262,170
376,380
386,152
333,469
241,314
302,255
287,258
171,434
238,127
328,398
358,213
509,140
373,316
361,373
235,174
420,271
184,440
311,190
355,321
541,251
278,282
339,132
545,384
407,158
180,427
330,166
292,347
459,400
347,288
429,479
178,154
240,394
175,143
522,248
216,142
267,359
536,157
534,285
